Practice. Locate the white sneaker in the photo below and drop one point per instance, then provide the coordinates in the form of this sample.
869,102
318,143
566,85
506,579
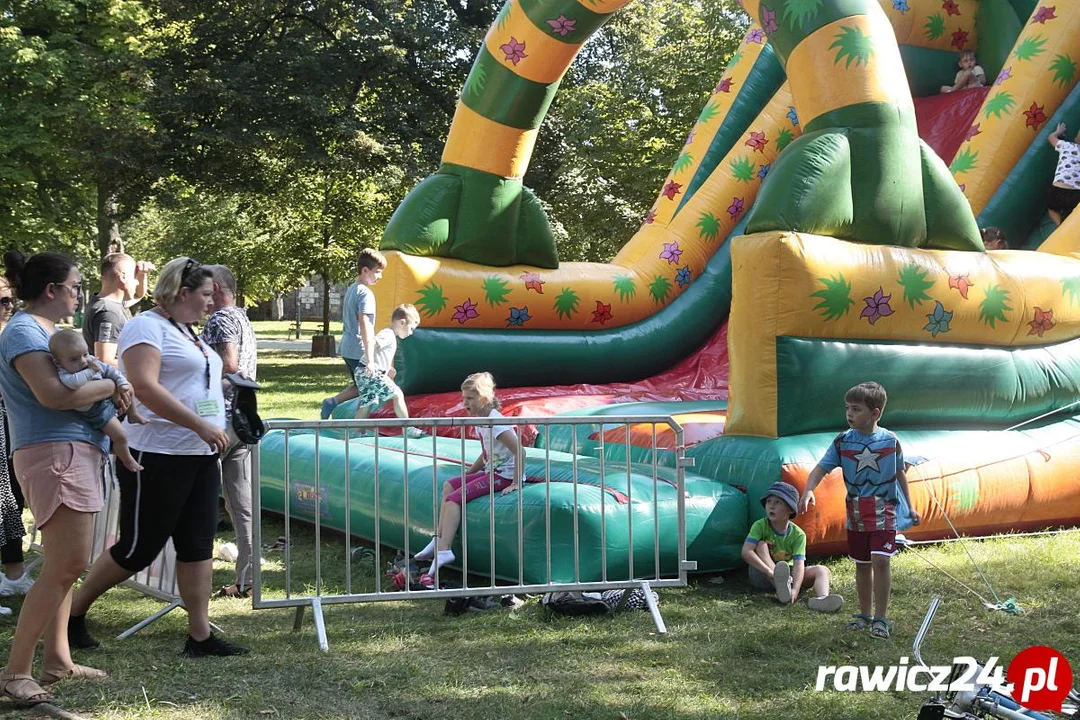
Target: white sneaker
19,586
5,610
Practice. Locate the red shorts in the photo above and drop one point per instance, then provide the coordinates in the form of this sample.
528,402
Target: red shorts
861,545
475,485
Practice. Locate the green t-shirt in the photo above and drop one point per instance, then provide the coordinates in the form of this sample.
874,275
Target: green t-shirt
789,546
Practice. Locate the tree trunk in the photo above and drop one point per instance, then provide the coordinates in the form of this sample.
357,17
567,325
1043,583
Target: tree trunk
325,302
108,227
325,275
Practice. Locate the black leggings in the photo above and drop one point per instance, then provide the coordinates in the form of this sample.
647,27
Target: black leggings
172,496
12,552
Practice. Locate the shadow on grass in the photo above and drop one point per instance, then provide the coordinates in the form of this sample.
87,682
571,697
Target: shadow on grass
730,652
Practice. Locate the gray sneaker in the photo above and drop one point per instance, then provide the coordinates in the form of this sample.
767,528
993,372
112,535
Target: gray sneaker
828,604
782,582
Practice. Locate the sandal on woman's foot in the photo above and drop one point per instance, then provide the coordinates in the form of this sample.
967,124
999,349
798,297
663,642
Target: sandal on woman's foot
880,628
24,690
233,591
858,622
49,676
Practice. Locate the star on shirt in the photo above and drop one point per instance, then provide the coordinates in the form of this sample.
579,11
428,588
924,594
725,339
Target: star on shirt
867,459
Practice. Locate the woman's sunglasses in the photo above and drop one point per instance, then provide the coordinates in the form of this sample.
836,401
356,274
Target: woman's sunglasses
6,301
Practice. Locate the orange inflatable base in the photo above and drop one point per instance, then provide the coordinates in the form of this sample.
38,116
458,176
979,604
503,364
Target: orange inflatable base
983,490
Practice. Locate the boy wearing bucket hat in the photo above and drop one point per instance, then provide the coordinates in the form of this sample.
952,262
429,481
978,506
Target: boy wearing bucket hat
775,550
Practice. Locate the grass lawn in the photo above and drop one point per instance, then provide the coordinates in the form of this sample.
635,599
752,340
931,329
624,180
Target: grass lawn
294,384
729,652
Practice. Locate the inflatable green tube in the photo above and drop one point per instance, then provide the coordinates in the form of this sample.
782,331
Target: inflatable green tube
621,515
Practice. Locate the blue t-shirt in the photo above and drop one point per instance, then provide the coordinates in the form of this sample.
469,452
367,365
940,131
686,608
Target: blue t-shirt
359,300
870,464
31,422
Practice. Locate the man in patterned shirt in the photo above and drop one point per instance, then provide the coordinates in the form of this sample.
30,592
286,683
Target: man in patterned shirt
229,332
873,467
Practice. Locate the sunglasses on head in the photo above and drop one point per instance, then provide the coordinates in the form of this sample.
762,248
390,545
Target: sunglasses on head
189,267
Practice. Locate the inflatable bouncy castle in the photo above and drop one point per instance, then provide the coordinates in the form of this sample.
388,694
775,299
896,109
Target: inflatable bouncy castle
819,228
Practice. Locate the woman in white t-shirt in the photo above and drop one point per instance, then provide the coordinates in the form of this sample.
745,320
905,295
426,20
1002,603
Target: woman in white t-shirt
178,388
496,467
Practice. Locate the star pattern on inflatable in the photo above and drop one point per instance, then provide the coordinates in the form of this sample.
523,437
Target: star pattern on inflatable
1044,321
1035,117
961,283
514,50
671,189
757,140
602,313
533,282
562,25
1043,14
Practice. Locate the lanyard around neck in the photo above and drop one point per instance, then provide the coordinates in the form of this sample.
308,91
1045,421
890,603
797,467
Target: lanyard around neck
190,335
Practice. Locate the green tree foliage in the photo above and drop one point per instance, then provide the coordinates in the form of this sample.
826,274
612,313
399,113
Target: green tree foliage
77,153
278,137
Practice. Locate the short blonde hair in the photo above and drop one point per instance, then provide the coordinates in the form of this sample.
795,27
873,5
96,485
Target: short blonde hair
484,384
179,273
405,311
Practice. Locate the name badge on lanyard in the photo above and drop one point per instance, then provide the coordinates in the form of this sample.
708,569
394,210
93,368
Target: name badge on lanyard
207,408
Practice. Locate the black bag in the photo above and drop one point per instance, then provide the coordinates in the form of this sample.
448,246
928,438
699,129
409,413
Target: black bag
573,603
246,423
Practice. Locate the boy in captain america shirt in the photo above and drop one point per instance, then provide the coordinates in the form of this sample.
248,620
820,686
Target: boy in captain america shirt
873,466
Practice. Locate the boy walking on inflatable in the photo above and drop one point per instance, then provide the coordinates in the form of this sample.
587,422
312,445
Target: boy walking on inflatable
775,550
873,467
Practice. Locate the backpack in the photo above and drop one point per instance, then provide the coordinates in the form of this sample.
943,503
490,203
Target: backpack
246,423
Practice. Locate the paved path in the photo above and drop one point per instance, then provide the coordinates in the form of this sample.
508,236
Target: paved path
302,346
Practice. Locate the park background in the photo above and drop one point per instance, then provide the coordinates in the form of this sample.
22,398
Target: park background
277,138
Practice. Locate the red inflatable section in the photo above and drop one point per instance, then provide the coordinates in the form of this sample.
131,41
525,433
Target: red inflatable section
945,120
701,376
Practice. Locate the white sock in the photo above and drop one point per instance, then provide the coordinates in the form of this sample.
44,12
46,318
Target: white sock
429,550
444,557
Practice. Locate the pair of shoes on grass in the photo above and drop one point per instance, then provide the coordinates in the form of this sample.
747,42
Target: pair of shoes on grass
783,585
880,628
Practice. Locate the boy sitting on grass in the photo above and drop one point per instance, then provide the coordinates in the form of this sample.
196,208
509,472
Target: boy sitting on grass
775,550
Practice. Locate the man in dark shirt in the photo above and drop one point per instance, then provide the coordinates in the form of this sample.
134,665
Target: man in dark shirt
123,283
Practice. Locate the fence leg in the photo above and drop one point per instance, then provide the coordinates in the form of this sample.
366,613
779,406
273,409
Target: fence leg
153,618
298,621
661,628
320,626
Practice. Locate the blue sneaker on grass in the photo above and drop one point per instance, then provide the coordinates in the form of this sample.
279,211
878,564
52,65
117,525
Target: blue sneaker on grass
328,406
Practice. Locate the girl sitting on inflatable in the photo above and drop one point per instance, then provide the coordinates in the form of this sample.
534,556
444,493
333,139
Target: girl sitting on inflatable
496,466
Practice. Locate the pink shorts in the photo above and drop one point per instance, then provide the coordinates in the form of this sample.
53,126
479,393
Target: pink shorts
476,485
862,545
60,473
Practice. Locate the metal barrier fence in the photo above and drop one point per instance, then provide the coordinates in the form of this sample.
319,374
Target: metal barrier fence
157,581
343,473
